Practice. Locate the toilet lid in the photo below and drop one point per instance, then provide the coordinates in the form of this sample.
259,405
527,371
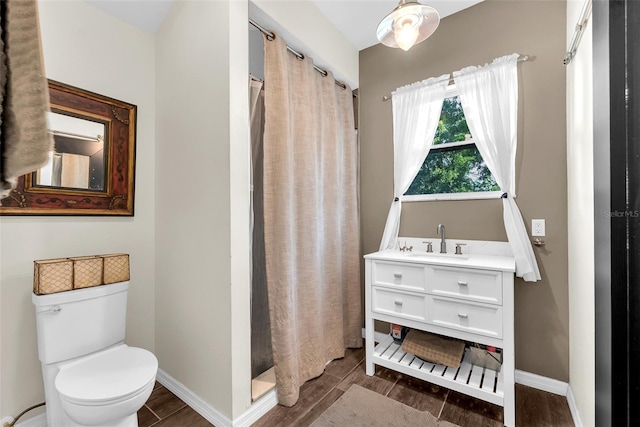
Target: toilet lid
111,375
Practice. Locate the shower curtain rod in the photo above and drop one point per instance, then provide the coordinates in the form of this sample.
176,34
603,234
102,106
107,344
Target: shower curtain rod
270,36
522,58
577,34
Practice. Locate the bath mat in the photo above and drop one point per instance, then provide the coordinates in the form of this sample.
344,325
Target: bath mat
360,407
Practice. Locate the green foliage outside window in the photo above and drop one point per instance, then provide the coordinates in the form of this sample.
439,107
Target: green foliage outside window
452,169
452,126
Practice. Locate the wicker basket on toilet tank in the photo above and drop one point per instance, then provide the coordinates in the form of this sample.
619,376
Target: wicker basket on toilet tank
65,274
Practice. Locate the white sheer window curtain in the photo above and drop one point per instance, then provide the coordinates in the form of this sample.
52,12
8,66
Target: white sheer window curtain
489,98
416,111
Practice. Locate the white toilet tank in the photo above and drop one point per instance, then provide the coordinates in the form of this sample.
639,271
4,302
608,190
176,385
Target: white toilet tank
74,323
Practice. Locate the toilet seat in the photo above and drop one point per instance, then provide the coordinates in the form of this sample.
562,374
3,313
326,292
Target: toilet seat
109,377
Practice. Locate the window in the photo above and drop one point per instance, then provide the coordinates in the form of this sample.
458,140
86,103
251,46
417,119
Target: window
454,168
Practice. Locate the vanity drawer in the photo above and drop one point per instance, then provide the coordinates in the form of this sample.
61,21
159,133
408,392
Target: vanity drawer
476,318
467,283
397,303
400,275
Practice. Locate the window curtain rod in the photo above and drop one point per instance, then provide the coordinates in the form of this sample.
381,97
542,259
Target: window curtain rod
270,36
522,58
577,34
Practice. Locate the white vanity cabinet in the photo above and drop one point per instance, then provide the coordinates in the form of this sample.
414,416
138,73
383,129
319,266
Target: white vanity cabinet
468,298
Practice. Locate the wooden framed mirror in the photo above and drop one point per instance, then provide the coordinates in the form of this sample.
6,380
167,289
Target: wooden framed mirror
91,170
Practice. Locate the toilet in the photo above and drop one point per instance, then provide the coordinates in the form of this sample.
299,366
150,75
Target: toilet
91,378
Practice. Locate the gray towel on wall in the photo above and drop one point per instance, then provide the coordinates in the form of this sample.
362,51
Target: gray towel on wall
25,139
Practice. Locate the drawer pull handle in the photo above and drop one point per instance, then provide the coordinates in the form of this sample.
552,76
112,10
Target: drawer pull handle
463,315
397,275
461,283
398,302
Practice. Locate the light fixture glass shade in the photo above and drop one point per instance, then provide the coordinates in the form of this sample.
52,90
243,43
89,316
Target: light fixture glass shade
408,24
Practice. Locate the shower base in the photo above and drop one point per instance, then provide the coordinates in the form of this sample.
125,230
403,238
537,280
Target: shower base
263,383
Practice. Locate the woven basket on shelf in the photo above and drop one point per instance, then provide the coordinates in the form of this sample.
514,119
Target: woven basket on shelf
65,274
434,348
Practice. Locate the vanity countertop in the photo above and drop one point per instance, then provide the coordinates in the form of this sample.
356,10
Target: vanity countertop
471,260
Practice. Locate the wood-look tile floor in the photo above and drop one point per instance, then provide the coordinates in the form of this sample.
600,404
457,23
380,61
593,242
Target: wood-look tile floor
534,408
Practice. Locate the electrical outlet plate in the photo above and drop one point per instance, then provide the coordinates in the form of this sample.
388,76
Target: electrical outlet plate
537,228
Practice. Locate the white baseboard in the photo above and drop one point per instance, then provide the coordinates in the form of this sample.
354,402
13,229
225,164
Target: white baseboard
573,407
552,386
211,414
541,383
258,408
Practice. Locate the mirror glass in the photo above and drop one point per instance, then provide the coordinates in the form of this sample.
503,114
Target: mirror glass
78,158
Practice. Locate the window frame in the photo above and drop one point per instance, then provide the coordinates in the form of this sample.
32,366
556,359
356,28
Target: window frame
451,92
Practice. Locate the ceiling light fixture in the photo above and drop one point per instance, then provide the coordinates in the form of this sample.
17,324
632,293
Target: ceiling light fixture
408,24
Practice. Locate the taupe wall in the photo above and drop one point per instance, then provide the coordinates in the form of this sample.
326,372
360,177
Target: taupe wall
472,37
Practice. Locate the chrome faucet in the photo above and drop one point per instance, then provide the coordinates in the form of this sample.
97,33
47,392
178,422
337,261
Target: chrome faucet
443,243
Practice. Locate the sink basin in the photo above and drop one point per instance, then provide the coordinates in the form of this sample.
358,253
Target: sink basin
437,255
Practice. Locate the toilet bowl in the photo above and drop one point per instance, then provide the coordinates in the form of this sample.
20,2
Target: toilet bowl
108,388
91,378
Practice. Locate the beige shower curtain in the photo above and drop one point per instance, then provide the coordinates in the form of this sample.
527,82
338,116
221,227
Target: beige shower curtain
310,219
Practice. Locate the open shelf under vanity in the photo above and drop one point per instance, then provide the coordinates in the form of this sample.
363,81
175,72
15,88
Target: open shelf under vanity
472,380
